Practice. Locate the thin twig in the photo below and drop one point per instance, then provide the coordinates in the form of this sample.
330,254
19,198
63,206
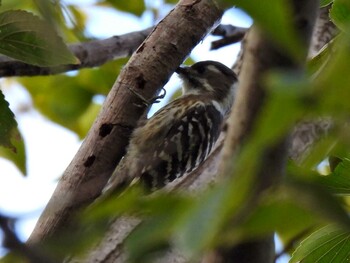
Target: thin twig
13,243
231,34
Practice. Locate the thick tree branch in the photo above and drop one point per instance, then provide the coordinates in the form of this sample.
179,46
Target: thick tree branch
146,72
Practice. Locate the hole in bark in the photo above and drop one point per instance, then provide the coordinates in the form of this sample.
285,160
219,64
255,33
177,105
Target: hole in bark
90,161
105,129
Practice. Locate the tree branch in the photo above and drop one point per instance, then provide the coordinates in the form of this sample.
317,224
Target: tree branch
90,54
146,72
230,35
14,244
97,52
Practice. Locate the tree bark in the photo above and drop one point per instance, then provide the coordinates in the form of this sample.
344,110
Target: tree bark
146,72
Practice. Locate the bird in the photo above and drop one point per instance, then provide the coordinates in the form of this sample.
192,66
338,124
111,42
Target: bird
181,135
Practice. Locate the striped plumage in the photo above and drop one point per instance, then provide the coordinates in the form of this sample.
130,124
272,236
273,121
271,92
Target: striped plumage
181,135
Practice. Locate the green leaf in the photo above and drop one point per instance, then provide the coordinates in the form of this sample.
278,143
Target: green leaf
171,1
25,37
18,157
308,192
277,23
56,97
157,231
277,211
337,182
328,244
13,257
8,124
319,152
331,87
136,7
200,225
11,143
324,3
285,104
318,62
340,14
291,209
61,98
50,11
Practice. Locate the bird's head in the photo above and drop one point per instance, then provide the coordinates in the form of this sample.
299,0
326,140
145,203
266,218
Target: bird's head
209,78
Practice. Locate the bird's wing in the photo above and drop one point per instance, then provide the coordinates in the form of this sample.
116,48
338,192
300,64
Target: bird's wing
185,143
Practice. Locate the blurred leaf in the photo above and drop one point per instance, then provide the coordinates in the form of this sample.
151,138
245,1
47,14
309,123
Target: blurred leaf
308,192
60,98
16,4
8,124
189,61
171,1
279,212
331,84
200,225
317,199
291,209
87,118
25,37
100,80
324,3
12,257
11,143
51,11
156,232
150,238
328,244
78,19
68,100
319,152
112,206
340,14
278,22
284,106
19,156
338,182
136,7
318,62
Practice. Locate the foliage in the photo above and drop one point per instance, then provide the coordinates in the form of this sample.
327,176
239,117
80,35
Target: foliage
328,244
25,37
308,209
11,143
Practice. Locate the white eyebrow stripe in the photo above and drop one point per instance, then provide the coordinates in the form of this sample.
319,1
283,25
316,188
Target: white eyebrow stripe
214,68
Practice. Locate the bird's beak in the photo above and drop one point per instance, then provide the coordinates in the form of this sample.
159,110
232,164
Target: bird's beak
182,70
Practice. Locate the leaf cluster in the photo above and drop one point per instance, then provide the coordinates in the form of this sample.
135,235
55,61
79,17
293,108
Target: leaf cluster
308,210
